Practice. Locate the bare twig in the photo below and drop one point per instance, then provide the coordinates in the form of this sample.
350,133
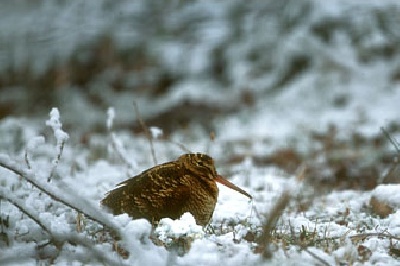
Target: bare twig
380,235
56,238
181,146
210,141
59,134
118,151
61,196
319,259
30,146
391,140
76,239
115,143
27,161
270,223
146,131
19,204
56,160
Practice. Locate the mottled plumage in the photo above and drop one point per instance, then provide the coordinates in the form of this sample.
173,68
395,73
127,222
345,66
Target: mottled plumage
169,190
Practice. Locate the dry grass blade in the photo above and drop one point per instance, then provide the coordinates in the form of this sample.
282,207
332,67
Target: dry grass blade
270,224
146,131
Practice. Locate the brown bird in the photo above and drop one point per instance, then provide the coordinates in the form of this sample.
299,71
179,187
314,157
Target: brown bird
170,189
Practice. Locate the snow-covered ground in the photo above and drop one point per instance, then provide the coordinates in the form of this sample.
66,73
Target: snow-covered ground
261,75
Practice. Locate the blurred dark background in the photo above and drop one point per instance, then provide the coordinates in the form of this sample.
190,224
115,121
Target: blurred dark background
259,74
198,62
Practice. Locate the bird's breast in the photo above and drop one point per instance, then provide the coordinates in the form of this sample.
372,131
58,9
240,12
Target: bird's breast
202,200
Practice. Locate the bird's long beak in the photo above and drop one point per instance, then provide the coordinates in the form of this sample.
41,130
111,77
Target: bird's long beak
225,182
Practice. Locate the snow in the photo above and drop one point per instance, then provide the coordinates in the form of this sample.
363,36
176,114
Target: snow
34,142
54,122
185,226
389,194
258,42
156,132
110,117
208,249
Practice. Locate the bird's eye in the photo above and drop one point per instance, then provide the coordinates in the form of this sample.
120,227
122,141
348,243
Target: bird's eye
200,163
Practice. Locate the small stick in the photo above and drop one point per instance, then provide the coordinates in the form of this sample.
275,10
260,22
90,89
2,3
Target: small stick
60,135
210,141
391,140
21,206
118,149
60,238
181,146
55,194
57,160
270,223
379,235
27,161
322,261
146,131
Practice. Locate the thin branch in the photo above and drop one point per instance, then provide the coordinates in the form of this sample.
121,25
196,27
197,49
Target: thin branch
30,146
181,146
60,135
210,141
27,161
119,152
57,160
391,140
381,235
19,204
115,143
146,131
76,239
60,195
319,259
56,238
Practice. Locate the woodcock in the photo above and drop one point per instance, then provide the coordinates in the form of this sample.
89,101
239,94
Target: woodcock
170,189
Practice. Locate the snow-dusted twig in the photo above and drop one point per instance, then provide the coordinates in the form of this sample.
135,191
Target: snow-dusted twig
115,142
110,118
319,259
19,204
77,239
391,140
146,131
32,144
69,199
27,161
57,238
60,135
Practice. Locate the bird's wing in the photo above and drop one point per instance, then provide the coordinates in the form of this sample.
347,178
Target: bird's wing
153,194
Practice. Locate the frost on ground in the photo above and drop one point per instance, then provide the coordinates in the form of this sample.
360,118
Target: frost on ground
60,221
294,91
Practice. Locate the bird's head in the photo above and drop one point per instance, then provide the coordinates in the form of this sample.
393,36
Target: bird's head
198,164
202,166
